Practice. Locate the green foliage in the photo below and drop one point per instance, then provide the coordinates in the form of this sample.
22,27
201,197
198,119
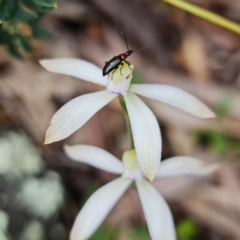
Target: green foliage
19,24
8,9
9,42
35,7
224,106
218,143
4,37
23,16
24,43
41,33
136,79
140,233
13,50
103,233
46,3
187,229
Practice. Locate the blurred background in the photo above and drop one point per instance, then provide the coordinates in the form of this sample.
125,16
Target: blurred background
41,190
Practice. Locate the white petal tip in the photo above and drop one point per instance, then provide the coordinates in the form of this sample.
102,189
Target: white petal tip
66,147
68,150
150,176
212,168
203,112
50,137
46,64
151,179
150,171
43,62
208,114
47,141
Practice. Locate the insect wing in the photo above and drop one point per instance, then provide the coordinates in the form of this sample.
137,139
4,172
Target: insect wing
109,66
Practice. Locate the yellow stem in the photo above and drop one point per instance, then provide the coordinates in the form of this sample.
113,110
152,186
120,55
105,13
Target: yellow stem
205,14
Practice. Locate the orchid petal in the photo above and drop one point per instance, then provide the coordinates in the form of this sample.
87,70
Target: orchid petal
97,207
173,96
75,68
146,135
95,157
75,114
157,213
176,166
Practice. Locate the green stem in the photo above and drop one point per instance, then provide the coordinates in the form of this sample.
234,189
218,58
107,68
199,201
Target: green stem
129,129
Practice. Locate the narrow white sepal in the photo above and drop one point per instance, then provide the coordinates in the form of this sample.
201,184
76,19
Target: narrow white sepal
75,68
75,114
173,96
146,135
97,207
157,213
95,157
176,166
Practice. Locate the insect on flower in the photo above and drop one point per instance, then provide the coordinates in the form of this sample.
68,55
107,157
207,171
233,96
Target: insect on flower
146,132
116,61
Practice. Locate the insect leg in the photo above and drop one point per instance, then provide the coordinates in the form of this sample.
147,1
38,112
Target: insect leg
122,64
128,65
113,72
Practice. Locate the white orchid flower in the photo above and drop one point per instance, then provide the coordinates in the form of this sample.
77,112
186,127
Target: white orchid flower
158,216
145,128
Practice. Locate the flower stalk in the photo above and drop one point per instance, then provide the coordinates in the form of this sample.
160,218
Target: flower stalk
129,129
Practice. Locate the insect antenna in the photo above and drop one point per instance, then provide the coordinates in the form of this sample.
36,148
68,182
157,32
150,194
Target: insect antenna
140,49
125,40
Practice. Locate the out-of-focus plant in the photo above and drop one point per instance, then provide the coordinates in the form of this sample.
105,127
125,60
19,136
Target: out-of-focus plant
21,163
4,220
33,231
28,186
187,230
104,233
207,15
48,189
216,140
139,233
19,24
224,107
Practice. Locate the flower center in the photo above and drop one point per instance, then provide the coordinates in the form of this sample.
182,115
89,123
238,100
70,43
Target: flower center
119,79
132,171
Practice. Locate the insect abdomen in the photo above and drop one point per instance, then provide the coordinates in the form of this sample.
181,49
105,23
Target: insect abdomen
113,63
